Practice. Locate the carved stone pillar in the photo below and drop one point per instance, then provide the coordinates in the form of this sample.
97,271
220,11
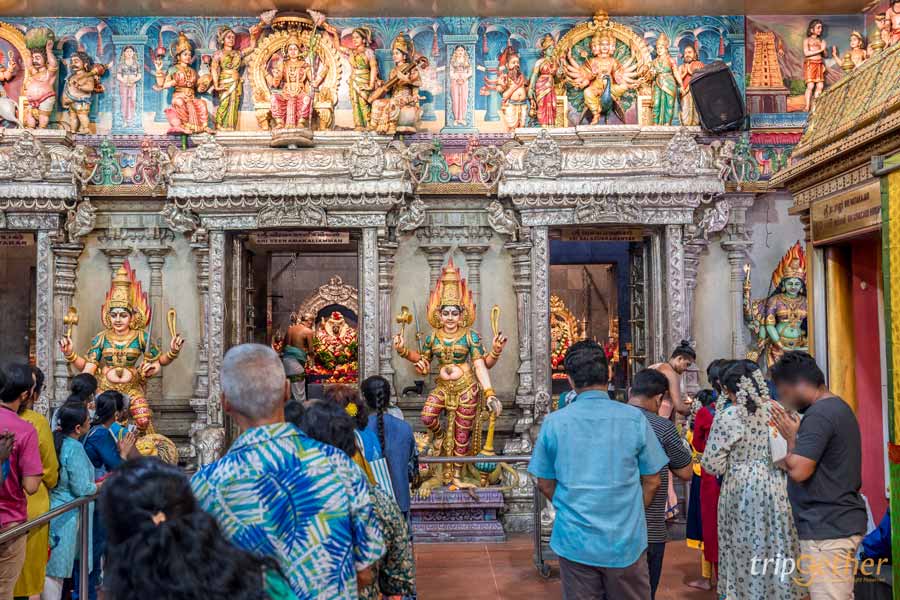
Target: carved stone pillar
736,242
200,397
156,259
386,253
369,348
65,265
116,258
675,288
435,254
215,325
45,340
540,323
521,263
692,251
473,255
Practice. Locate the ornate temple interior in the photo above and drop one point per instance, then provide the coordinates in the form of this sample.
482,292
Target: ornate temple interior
329,184
294,276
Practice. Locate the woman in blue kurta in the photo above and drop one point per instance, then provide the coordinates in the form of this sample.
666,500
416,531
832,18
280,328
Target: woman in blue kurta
76,479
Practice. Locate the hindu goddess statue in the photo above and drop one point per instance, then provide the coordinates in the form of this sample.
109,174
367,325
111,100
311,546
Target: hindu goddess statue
225,71
545,74
364,74
115,353
188,113
666,79
400,112
463,387
293,82
780,320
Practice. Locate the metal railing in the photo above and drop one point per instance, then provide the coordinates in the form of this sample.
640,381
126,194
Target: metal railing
81,505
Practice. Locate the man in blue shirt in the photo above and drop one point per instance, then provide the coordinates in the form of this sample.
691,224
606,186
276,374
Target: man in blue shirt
598,461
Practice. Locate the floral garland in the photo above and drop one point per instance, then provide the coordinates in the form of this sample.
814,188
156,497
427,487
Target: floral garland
751,388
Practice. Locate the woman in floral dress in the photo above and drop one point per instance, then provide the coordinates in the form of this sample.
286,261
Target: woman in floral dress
755,519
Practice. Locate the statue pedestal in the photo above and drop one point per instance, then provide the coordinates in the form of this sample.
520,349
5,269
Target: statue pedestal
455,516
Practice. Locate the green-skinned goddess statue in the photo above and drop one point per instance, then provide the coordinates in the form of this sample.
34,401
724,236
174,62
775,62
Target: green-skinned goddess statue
779,320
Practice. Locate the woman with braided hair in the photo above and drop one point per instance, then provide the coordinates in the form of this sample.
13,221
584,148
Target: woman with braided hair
395,436
755,522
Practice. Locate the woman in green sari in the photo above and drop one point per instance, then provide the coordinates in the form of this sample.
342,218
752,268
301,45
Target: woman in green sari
363,74
665,83
226,76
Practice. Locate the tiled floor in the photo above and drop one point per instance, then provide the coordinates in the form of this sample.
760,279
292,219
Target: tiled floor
506,572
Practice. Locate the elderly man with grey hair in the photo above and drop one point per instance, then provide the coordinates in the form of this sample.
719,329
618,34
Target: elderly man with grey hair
281,494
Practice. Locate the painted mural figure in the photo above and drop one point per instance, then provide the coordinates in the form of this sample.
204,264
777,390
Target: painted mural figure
689,66
601,76
363,75
128,74
893,17
225,71
814,52
81,85
40,89
542,86
123,357
666,79
460,72
292,81
513,88
779,321
188,113
463,390
400,113
855,55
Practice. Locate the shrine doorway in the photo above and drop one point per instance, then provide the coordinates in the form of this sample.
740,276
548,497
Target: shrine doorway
282,278
18,293
598,291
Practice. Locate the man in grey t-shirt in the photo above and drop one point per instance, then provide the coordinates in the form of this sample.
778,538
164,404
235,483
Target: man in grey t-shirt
824,463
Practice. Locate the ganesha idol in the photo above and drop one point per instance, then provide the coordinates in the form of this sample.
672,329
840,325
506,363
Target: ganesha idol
123,357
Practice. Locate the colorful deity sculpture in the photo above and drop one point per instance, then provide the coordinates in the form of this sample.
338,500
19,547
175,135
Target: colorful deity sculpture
689,65
892,14
292,82
82,83
779,320
225,71
335,350
565,330
188,113
602,77
363,74
666,78
40,83
400,112
123,357
513,88
855,55
545,75
814,52
463,389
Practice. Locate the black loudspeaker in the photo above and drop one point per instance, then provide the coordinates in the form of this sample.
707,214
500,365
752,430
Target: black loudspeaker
717,98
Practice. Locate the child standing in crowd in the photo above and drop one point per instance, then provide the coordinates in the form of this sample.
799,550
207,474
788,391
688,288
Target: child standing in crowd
76,480
31,579
705,399
394,435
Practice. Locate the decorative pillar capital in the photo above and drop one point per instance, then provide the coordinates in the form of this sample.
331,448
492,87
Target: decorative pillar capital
435,254
116,257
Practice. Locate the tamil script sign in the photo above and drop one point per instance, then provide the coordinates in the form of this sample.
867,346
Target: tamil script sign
848,213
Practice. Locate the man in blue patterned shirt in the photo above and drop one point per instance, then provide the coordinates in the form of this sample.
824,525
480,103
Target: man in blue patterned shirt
281,494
